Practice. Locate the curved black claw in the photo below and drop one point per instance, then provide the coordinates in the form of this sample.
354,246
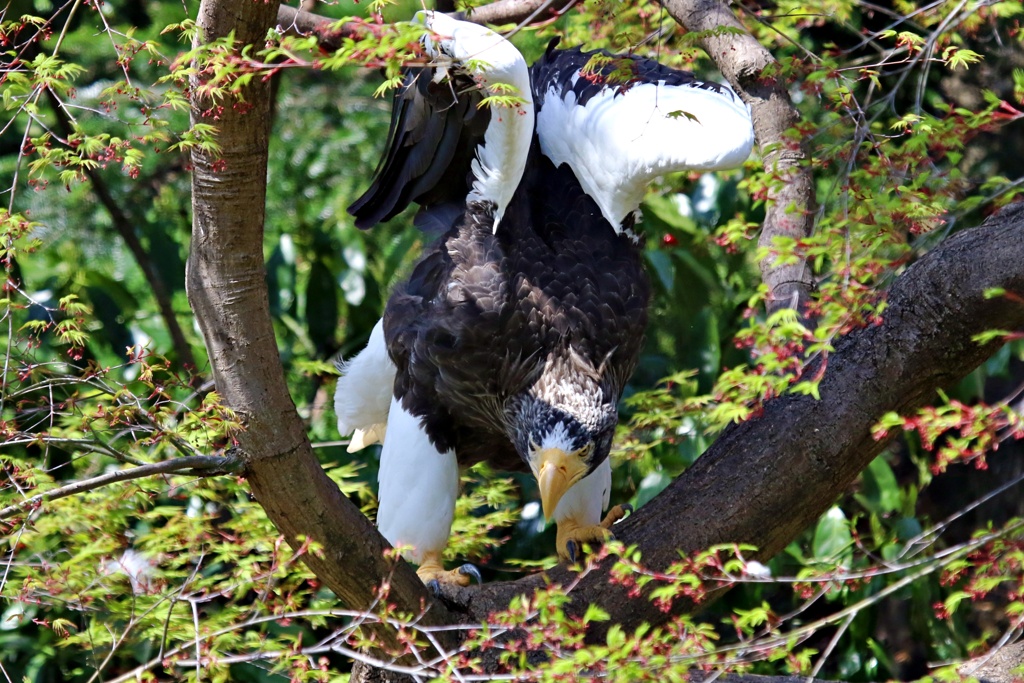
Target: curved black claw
434,586
470,570
570,547
627,508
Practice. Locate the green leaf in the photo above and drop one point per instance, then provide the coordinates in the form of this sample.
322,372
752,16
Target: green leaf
880,486
595,613
616,637
322,306
663,268
832,539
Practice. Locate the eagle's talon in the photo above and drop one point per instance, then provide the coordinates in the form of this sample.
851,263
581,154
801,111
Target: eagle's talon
471,570
432,571
434,586
571,539
570,549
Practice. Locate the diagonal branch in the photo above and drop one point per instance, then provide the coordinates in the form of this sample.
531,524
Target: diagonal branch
764,481
331,34
518,11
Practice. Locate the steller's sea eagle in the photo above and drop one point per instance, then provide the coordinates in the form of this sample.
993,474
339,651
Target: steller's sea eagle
512,340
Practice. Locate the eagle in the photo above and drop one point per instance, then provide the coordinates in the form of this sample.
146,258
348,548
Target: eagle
514,336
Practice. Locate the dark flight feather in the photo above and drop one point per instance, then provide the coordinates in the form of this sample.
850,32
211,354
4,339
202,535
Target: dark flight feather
435,129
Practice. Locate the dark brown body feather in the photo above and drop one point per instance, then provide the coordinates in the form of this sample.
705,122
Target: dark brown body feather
554,299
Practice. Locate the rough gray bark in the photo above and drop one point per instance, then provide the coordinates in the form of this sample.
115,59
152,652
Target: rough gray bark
996,666
227,290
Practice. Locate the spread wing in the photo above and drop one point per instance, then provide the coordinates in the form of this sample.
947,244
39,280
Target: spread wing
436,126
621,121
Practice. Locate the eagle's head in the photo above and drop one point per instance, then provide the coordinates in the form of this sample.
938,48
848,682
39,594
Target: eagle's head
562,429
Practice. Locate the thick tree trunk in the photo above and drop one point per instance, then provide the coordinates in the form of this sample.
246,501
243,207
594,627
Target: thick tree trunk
227,290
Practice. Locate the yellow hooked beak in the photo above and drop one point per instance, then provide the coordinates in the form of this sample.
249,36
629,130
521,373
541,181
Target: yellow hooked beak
557,472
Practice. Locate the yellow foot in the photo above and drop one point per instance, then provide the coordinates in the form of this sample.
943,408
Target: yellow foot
572,537
615,514
433,573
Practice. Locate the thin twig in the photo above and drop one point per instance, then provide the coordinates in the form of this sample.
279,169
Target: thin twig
208,464
831,646
917,543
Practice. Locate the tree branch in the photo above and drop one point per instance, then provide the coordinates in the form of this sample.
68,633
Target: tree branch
518,11
206,465
790,212
330,34
766,480
997,665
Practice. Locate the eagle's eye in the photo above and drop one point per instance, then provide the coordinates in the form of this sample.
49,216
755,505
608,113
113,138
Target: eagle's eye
584,453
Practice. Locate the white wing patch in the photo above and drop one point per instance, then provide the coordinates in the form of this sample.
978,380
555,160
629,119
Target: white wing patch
499,69
363,394
418,488
617,144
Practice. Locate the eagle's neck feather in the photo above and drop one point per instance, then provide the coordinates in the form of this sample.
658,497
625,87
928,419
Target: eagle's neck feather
568,391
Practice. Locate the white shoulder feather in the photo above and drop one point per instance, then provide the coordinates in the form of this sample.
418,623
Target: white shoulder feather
620,140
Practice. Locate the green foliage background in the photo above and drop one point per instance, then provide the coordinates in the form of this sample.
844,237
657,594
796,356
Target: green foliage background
131,575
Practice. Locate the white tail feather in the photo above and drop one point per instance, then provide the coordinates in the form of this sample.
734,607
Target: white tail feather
363,396
361,438
500,70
